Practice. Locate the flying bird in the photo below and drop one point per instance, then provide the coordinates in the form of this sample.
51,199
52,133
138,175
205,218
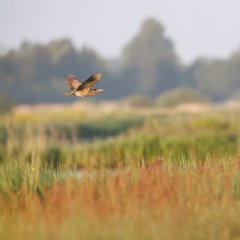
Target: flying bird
83,89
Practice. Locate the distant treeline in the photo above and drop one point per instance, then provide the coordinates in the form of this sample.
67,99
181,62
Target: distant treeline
148,65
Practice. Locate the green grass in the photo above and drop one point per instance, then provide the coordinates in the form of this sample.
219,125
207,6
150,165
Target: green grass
114,142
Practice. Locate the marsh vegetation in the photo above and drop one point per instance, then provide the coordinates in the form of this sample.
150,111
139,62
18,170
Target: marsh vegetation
120,175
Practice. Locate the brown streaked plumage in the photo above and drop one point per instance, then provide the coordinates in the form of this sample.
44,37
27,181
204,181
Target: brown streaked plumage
83,89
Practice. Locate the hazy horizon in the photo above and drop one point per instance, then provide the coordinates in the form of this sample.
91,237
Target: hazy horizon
206,28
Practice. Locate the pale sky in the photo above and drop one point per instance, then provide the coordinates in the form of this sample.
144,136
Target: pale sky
197,27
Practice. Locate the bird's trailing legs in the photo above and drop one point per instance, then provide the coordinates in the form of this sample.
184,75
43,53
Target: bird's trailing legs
67,94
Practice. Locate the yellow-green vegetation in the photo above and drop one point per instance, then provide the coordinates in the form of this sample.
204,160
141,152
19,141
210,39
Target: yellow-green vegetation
120,175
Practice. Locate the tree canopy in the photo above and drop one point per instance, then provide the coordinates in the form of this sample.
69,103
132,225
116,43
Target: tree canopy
148,65
151,54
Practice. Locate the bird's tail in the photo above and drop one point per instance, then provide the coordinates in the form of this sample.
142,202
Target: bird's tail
67,94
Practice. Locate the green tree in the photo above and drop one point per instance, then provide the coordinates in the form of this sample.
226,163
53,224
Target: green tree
38,70
151,54
217,79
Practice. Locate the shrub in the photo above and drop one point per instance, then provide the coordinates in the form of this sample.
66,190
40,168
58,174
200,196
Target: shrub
5,103
53,157
178,96
139,101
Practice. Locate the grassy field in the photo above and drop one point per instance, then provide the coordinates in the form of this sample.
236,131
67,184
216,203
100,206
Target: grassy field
120,174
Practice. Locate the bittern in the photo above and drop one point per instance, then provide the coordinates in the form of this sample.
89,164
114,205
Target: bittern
83,89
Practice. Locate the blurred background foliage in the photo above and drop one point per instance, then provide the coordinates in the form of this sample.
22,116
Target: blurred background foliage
6,104
148,66
112,141
178,96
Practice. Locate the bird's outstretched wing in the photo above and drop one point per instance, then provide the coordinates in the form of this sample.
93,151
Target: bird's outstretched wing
90,81
72,82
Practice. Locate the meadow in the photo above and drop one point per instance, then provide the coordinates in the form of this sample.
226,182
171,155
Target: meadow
120,174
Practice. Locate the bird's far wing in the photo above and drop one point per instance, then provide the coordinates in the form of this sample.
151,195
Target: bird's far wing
72,82
90,81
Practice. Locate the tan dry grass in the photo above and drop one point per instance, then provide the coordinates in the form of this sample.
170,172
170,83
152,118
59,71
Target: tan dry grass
168,199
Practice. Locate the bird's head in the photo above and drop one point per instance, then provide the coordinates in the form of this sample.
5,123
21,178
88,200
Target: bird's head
97,76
